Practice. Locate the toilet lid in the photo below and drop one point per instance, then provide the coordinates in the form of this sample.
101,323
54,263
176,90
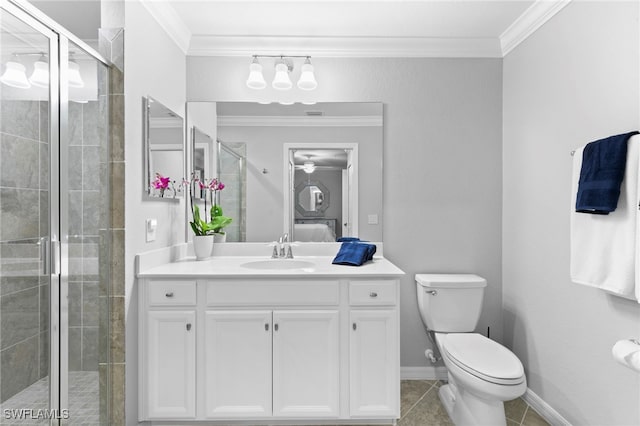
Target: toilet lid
484,358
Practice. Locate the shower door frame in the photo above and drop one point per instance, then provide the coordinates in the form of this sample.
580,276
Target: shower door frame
57,248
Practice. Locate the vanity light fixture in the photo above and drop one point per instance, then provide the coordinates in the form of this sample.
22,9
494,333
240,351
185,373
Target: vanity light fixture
15,72
15,75
282,80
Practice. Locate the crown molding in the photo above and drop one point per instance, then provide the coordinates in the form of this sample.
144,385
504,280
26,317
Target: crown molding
346,47
169,20
287,121
533,18
354,47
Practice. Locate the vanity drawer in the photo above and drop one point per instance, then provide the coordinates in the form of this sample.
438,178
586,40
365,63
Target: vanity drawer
371,293
163,293
272,292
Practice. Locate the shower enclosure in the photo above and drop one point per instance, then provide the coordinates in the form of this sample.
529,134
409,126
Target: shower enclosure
231,166
54,220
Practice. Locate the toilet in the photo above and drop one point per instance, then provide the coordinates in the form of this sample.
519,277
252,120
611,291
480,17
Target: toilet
482,373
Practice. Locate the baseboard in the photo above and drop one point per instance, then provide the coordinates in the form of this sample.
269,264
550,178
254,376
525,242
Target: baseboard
545,410
423,373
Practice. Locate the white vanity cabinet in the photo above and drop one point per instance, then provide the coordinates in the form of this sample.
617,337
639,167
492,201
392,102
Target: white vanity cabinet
264,350
169,350
373,349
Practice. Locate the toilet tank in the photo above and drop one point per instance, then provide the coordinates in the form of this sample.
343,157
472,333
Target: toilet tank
450,303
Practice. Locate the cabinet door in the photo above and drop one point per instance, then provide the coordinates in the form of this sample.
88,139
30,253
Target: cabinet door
373,364
171,372
305,363
237,363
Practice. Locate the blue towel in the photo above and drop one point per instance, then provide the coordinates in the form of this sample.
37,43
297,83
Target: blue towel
603,164
354,253
347,239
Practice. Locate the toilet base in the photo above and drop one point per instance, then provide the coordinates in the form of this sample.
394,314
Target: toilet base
466,409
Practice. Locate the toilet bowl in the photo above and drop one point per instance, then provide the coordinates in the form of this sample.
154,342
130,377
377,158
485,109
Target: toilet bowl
482,374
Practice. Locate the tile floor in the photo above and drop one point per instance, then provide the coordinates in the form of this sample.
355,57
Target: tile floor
83,401
421,406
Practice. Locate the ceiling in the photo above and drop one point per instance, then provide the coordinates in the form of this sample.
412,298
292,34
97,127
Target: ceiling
351,28
330,28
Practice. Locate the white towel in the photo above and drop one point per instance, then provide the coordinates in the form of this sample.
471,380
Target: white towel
604,248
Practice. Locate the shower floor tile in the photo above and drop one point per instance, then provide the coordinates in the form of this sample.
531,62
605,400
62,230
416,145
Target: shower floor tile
83,402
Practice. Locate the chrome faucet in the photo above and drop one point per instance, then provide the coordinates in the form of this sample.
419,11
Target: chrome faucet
282,249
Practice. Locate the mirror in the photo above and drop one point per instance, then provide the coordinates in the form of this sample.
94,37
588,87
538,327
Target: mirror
312,198
164,151
263,195
202,156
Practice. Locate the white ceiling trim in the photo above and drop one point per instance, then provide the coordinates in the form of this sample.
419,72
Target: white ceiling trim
287,121
168,19
354,47
345,47
533,18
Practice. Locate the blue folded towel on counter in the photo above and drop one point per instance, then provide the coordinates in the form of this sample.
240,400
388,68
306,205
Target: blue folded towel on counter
347,239
354,253
603,165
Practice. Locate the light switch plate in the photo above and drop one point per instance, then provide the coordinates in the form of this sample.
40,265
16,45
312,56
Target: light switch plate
151,226
372,219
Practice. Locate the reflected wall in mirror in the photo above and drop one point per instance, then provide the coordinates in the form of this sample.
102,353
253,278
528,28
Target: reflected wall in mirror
265,129
325,188
164,151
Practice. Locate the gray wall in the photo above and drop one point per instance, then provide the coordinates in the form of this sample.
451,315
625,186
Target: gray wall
154,66
575,80
442,163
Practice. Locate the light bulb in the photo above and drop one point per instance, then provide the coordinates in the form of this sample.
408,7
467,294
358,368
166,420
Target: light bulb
281,81
256,79
15,75
307,79
40,75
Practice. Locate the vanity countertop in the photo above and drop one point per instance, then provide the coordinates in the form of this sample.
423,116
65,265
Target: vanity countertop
262,266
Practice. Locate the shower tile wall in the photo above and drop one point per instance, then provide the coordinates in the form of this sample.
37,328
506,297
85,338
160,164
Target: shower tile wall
24,153
87,202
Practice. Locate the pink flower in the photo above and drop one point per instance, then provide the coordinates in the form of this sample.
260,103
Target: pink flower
161,182
220,186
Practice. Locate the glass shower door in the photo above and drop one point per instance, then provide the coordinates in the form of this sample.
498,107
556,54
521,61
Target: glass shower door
28,220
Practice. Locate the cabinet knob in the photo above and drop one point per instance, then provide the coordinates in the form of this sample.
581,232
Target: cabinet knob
170,294
266,327
354,326
373,294
275,327
189,326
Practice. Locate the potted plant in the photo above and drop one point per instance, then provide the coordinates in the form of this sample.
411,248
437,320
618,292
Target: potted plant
205,228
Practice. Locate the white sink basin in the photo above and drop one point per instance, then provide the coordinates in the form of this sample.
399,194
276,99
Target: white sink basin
279,264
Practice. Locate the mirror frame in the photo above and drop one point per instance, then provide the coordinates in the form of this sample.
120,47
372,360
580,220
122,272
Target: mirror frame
146,132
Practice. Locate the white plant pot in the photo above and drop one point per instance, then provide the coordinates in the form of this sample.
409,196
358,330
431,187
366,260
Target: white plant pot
203,246
220,238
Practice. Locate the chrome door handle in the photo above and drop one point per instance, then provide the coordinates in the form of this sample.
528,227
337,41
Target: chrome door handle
431,292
